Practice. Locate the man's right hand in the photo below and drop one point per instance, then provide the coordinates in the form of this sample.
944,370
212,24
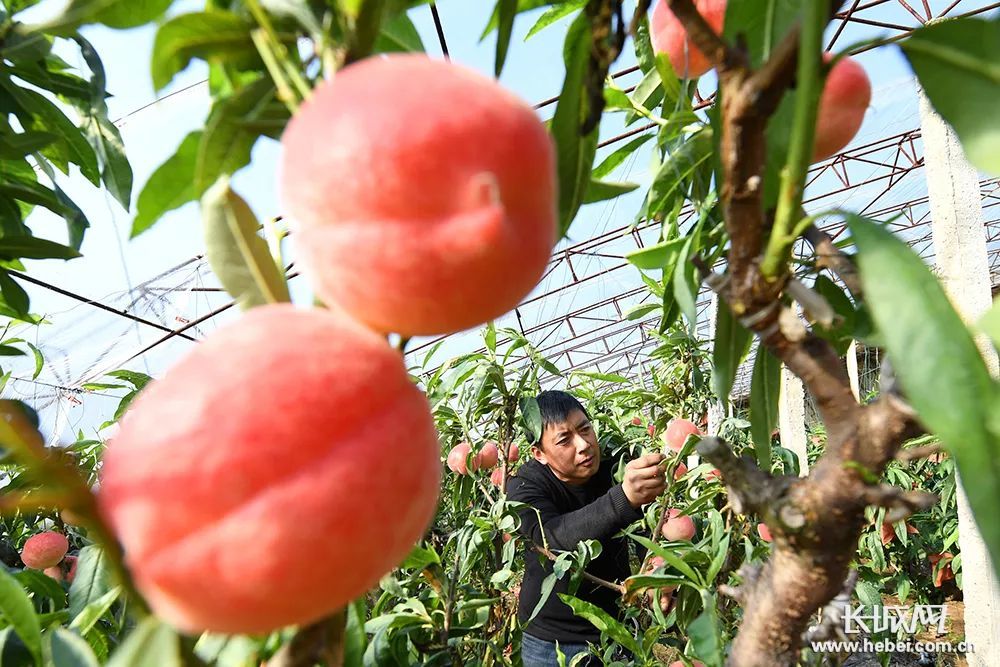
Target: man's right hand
644,479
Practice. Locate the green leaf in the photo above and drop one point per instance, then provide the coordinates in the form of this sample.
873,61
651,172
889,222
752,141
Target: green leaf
684,172
506,11
531,418
13,146
67,86
522,6
33,192
170,186
70,650
214,36
643,309
617,157
732,342
399,34
92,613
765,390
553,14
30,247
574,153
137,380
601,620
112,13
958,65
39,360
10,351
34,581
44,116
490,337
840,334
237,255
604,190
660,256
705,633
116,172
685,282
937,363
760,25
990,324
228,139
419,558
355,640
24,44
151,644
91,581
19,613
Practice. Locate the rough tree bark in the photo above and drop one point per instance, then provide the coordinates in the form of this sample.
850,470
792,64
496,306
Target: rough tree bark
815,521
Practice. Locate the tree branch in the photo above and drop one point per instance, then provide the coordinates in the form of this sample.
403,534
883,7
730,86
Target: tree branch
586,575
751,489
830,257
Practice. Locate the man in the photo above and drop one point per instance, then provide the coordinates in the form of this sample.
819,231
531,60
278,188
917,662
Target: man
576,499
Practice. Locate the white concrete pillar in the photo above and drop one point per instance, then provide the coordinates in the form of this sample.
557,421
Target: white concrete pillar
960,254
792,417
852,370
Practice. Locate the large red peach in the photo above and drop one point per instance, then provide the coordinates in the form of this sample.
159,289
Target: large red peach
678,527
764,532
288,438
680,471
513,452
677,433
458,459
670,37
487,456
44,550
846,95
496,477
422,194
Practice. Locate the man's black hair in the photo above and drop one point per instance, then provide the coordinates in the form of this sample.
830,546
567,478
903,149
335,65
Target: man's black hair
555,408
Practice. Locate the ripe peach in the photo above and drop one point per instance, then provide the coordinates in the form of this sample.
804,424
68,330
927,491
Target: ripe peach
513,452
846,95
66,570
44,550
669,37
677,433
636,421
496,477
714,472
253,459
680,471
655,563
651,429
458,459
678,527
413,217
680,663
764,532
487,456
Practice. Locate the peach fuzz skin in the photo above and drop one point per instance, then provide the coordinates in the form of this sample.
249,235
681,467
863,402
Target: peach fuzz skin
429,215
246,485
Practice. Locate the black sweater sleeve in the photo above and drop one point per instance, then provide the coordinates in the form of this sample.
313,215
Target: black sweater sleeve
597,521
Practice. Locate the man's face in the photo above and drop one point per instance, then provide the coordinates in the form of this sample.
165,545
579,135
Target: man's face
570,449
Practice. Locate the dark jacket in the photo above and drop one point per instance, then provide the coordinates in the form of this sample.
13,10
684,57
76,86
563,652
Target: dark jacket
569,514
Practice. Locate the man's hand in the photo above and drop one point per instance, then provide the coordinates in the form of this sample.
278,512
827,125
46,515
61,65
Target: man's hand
644,479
